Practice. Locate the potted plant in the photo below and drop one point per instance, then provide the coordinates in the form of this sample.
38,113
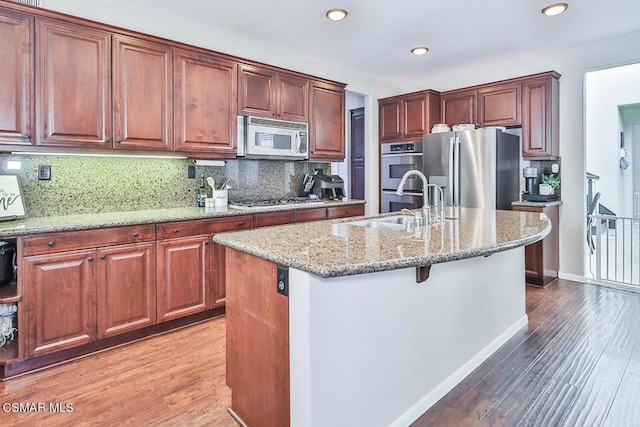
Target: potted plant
549,184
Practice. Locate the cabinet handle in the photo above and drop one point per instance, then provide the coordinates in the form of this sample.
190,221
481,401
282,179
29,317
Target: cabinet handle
90,259
176,230
118,141
136,234
103,256
27,135
107,140
51,244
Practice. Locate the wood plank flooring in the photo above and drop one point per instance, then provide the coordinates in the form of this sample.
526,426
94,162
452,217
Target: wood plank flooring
577,364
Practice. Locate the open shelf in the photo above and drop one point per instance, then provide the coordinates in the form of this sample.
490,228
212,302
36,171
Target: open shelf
9,294
9,352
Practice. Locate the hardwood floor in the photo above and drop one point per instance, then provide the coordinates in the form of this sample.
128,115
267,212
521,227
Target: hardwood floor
578,364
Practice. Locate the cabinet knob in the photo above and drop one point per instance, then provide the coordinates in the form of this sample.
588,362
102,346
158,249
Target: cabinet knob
136,234
27,135
90,259
206,242
107,140
240,222
118,141
51,244
176,230
103,256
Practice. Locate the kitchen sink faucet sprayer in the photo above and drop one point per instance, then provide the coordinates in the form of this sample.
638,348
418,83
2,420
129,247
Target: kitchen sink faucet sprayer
426,211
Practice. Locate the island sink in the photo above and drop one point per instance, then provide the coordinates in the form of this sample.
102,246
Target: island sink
397,222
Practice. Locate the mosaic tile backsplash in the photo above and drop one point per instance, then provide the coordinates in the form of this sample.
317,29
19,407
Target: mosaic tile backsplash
82,185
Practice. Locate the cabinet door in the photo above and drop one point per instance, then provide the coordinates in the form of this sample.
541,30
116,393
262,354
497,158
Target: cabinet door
540,118
499,105
293,98
61,301
415,116
459,108
126,288
183,277
73,77
327,122
205,104
142,94
257,91
390,122
16,78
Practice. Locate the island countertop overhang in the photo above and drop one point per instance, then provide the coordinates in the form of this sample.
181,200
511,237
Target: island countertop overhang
339,248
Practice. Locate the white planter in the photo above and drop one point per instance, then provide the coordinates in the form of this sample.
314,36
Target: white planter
545,189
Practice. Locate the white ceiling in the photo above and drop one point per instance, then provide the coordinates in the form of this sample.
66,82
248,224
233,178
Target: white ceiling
376,37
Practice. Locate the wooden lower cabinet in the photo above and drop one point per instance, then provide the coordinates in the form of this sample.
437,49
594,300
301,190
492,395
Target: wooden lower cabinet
541,259
61,306
126,288
183,277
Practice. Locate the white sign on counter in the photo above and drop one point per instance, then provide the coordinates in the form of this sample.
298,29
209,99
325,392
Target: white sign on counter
11,205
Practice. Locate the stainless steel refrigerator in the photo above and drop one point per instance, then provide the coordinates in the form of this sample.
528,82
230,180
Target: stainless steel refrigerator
476,168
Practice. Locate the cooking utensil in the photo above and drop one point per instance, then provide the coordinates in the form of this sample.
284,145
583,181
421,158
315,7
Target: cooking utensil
211,182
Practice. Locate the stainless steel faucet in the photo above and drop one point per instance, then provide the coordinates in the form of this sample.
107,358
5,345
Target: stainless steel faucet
426,209
440,217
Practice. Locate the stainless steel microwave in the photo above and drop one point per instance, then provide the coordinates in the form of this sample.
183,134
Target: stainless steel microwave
260,138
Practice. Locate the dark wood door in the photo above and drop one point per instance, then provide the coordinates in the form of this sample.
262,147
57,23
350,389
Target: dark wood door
183,277
127,288
390,122
73,92
357,154
16,78
540,117
499,105
205,104
327,137
142,94
459,108
257,91
293,98
415,116
61,300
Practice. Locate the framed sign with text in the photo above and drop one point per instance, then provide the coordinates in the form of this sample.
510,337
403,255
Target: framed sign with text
11,204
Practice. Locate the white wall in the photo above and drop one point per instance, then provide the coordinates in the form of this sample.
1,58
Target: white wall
570,62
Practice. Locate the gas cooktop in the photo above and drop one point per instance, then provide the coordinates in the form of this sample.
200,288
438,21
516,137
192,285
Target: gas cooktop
273,203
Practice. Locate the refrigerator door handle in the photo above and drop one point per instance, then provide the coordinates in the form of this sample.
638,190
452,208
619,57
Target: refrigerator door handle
455,159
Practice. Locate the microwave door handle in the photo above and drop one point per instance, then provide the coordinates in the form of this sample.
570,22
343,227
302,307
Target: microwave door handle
296,135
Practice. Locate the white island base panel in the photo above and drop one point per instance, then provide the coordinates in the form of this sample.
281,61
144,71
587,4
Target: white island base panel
379,349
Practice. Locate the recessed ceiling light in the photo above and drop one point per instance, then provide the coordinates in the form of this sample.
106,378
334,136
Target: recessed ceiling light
420,50
337,14
555,9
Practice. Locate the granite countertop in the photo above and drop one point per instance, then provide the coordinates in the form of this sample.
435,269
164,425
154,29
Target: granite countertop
37,225
338,248
536,204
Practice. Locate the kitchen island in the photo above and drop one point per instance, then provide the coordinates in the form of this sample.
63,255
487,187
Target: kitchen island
373,324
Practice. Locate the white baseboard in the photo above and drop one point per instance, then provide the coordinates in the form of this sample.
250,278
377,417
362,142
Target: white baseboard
572,277
454,379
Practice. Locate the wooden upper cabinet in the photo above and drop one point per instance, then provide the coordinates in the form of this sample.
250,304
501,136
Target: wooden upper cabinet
267,93
326,128
142,94
408,117
205,104
540,117
499,105
390,119
73,92
16,78
459,107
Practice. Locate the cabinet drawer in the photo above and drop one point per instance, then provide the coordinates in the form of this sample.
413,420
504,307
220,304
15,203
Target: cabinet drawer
345,211
273,218
72,240
171,230
305,215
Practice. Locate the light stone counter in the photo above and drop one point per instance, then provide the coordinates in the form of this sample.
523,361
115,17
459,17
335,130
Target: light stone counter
37,225
338,248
